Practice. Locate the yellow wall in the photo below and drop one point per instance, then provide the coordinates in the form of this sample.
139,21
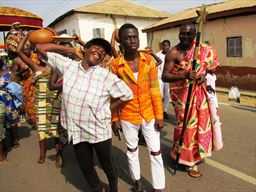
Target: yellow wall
217,32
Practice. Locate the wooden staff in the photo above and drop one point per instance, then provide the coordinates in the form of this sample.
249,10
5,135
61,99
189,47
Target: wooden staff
202,13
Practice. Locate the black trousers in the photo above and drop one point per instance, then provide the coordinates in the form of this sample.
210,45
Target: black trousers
84,155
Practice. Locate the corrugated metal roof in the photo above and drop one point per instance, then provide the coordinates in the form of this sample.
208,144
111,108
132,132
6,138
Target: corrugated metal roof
212,9
122,7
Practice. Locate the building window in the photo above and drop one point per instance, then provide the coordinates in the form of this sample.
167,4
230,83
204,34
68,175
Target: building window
234,46
64,31
98,33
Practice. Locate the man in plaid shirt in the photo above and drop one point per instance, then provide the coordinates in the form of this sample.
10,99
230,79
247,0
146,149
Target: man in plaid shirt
86,109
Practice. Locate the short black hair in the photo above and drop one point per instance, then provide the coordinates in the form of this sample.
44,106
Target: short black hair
166,41
100,42
124,27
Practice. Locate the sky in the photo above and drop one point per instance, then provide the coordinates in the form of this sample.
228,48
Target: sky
49,10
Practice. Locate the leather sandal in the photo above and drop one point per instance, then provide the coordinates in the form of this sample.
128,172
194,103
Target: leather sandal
194,172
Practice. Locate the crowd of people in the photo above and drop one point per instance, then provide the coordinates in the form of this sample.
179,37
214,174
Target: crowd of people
80,95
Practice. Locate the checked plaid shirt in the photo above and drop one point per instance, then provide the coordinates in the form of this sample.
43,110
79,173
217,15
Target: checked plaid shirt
85,110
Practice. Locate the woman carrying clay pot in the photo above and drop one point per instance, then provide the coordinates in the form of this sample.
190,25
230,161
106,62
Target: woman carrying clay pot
46,120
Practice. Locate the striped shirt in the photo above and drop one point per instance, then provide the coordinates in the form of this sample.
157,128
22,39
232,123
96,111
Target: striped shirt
85,110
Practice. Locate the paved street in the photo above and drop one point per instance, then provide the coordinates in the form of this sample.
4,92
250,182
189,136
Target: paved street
232,169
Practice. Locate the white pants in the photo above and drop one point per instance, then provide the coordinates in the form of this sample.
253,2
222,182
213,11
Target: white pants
165,92
152,138
213,98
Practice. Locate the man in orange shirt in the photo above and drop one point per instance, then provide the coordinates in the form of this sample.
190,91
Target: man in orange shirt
145,111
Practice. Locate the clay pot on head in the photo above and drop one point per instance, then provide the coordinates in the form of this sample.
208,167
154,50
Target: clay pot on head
41,36
116,35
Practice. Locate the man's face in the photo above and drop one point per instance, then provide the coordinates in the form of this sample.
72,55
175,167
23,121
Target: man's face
187,35
16,26
130,39
27,50
165,47
94,55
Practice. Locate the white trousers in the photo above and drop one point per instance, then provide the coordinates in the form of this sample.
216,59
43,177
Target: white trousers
213,98
165,92
152,138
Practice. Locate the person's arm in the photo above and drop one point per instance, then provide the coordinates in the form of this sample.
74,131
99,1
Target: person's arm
14,78
171,58
156,97
18,74
53,85
79,40
118,90
58,60
157,59
116,125
120,93
24,57
115,117
113,43
50,47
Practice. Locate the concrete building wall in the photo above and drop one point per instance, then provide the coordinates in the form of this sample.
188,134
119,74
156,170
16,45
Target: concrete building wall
217,32
71,24
158,36
83,25
233,71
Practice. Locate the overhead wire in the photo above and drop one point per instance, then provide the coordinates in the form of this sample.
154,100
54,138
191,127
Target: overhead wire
59,10
55,8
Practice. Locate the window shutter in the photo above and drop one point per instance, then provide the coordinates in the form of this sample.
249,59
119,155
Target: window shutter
234,46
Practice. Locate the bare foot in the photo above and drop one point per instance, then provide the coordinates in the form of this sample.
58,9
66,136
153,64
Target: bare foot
41,160
16,144
3,161
59,161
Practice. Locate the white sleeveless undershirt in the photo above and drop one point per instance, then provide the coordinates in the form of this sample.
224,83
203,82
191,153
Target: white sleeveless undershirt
136,75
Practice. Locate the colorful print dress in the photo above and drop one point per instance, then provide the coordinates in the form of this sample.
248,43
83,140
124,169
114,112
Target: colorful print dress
29,90
2,121
198,135
46,120
10,111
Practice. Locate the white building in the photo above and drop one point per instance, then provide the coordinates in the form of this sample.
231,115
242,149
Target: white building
100,19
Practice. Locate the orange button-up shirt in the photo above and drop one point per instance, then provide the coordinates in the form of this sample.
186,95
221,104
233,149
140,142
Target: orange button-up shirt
147,101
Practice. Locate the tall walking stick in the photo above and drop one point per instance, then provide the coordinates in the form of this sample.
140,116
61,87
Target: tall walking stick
202,13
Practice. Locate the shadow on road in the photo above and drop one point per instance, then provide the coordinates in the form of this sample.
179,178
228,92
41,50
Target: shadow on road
166,146
73,174
71,170
22,133
121,164
244,107
169,163
170,119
